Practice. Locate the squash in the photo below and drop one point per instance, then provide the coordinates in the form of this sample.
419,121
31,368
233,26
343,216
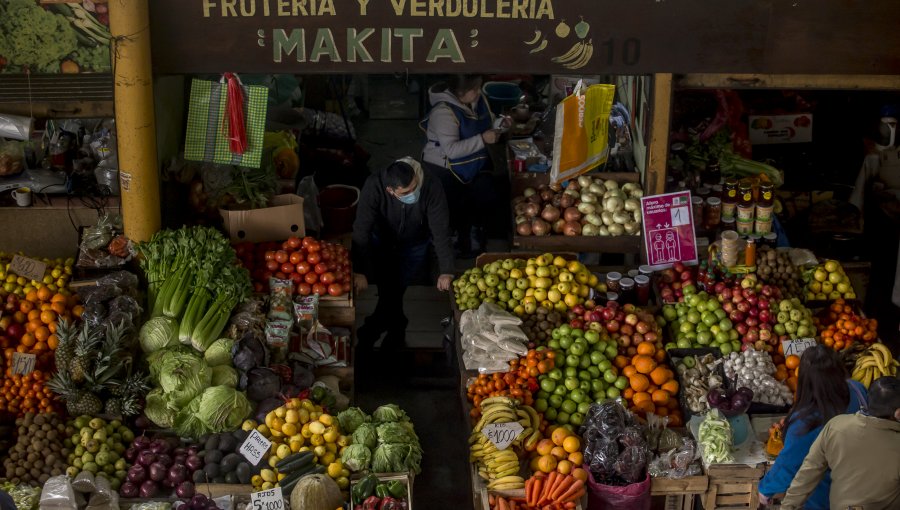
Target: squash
316,492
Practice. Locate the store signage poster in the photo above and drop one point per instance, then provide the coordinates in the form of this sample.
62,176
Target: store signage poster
669,229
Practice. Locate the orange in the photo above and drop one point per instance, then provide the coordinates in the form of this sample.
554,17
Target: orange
42,334
53,342
559,435
646,406
58,298
643,364
639,382
547,463
564,466
31,296
34,315
629,371
660,397
48,317
792,383
620,361
59,308
792,361
659,375
662,410
580,474
576,458
544,446
571,444
675,420
27,340
30,326
646,348
26,306
77,311
559,452
641,396
671,386
660,356
44,294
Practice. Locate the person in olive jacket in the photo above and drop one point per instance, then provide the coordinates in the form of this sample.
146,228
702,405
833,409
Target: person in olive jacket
401,210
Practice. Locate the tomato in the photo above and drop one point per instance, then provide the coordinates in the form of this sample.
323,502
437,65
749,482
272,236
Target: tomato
327,254
287,268
346,287
304,289
302,267
281,256
311,278
321,268
272,265
281,276
297,279
265,276
327,278
296,257
335,289
270,255
313,258
294,242
320,289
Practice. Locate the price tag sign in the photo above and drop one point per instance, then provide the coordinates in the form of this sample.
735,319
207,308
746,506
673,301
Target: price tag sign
255,447
502,434
22,363
797,346
271,499
29,268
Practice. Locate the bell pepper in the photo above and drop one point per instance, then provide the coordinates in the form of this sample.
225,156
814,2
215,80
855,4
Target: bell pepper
382,490
390,503
364,488
372,503
397,489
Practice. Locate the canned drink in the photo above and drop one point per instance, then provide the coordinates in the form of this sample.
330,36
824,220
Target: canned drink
519,165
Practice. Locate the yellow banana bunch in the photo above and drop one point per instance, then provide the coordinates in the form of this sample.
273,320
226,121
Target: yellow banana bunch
500,468
874,363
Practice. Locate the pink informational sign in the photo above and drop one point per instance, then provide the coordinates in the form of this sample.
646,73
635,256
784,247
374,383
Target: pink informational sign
669,229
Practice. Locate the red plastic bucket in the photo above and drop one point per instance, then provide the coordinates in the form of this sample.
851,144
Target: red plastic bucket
338,205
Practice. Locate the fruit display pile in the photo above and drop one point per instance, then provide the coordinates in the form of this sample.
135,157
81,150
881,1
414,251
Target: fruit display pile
828,281
315,267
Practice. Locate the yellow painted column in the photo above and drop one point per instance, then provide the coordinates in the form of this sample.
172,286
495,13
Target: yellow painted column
129,23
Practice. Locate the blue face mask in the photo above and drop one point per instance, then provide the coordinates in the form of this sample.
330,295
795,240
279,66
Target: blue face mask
412,197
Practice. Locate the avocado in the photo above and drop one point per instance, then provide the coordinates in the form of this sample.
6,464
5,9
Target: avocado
199,476
214,456
230,462
212,443
231,478
227,443
219,479
212,470
243,473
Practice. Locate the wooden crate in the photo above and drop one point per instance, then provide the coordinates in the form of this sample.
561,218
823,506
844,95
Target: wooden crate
733,487
217,490
679,494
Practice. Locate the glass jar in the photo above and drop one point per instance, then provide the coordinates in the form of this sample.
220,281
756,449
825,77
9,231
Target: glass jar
633,272
642,286
613,279
704,192
645,270
712,214
728,223
612,297
745,195
626,290
750,253
766,195
717,191
771,239
713,173
697,211
730,191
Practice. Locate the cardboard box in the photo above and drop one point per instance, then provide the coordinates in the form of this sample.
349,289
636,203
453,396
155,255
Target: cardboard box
276,223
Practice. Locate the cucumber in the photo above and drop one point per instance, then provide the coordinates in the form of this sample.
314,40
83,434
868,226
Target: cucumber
293,462
287,485
297,473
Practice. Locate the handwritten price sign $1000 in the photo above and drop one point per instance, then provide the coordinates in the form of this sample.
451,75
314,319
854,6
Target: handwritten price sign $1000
271,499
502,434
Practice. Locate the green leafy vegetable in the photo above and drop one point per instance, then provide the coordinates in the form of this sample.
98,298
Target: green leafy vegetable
219,353
223,408
188,422
357,457
224,375
34,38
157,409
183,376
394,432
393,458
366,435
389,412
715,438
350,419
158,333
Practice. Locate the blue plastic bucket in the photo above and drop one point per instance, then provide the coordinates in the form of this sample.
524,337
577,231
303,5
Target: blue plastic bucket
501,95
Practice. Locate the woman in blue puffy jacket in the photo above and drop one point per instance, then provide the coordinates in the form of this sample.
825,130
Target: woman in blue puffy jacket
823,392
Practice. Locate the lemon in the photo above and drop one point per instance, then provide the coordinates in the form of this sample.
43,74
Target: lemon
256,480
327,420
283,451
267,485
328,458
305,432
296,445
281,476
317,428
267,475
289,429
272,461
342,482
331,447
248,425
334,469
331,435
304,415
317,440
281,412
263,429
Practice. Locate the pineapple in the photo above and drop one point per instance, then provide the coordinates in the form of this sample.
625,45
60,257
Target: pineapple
85,349
78,401
65,351
128,394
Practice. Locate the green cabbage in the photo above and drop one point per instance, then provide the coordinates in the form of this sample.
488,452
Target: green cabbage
366,435
219,353
350,419
157,409
223,408
393,432
183,376
188,422
389,412
158,333
356,457
396,458
224,375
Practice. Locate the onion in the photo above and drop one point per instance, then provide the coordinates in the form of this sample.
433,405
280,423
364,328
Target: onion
572,214
715,397
519,209
589,230
528,192
574,193
611,184
546,195
518,200
597,189
594,219
531,210
637,216
522,219
556,200
550,213
604,230
613,204
573,186
621,217
632,204
607,218
589,198
535,199
616,230
558,226
572,228
632,228
584,181
566,201
524,229
586,208
540,227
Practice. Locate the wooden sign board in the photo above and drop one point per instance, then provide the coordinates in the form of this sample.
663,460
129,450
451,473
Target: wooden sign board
534,36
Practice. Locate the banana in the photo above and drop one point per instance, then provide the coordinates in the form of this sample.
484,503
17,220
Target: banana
570,55
541,47
507,472
508,486
535,39
535,418
510,468
867,378
509,479
532,440
883,350
866,362
490,401
583,59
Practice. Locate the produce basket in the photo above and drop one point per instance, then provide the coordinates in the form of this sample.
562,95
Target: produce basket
579,244
405,478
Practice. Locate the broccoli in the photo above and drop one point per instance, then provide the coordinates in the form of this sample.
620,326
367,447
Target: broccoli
33,38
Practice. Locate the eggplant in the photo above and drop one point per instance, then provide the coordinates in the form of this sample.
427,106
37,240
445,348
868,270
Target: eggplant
149,489
129,490
716,397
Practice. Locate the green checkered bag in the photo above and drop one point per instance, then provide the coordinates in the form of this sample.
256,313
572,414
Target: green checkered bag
207,137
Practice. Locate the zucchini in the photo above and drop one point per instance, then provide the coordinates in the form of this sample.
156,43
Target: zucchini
287,485
294,462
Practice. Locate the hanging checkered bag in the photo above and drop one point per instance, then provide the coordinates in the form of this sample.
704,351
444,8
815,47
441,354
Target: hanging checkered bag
226,122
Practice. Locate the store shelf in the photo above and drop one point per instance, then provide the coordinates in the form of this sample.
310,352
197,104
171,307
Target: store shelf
788,81
579,244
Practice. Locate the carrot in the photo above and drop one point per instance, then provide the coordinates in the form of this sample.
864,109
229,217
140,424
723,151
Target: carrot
529,486
512,505
562,488
570,504
536,490
492,500
548,487
574,488
502,504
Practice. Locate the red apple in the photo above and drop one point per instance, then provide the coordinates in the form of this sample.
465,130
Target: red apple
626,329
737,316
578,309
612,326
642,327
679,267
743,306
741,328
686,276
752,321
608,313
631,318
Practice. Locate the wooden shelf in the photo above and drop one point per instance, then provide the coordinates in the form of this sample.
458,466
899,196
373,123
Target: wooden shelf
579,244
788,81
